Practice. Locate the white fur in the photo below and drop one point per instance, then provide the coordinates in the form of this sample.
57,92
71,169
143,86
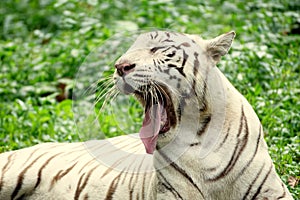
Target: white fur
185,164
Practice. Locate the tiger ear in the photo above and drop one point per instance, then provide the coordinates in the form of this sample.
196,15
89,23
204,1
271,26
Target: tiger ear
219,46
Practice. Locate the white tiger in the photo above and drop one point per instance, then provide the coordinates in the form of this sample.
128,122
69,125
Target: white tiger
206,140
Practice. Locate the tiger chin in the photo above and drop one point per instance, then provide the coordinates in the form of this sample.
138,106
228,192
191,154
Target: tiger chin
200,135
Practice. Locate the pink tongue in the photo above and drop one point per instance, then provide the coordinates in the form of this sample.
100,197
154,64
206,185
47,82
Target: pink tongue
151,126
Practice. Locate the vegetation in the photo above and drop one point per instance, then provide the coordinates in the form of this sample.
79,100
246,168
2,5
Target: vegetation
45,43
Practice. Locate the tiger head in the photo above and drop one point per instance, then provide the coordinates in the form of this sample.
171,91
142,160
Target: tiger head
166,73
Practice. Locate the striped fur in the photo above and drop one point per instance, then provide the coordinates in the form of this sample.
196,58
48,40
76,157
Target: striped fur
64,171
210,146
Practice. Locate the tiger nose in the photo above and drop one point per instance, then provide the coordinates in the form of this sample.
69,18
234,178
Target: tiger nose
124,68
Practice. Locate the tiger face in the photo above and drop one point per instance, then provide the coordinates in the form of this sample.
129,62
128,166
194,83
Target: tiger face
164,70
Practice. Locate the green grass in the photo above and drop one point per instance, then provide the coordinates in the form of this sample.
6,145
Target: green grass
43,44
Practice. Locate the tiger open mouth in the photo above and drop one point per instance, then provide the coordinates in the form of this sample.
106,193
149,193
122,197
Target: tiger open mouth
159,114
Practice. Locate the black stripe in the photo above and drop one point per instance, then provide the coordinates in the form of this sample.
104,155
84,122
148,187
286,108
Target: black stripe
170,55
137,196
195,144
263,182
179,111
204,121
153,36
239,148
154,49
180,170
80,187
138,170
185,57
127,169
167,48
116,163
241,121
143,186
195,71
39,176
168,186
142,75
31,154
156,34
145,191
85,165
109,169
130,186
167,71
158,63
5,168
225,138
126,173
179,69
168,40
154,63
176,47
112,187
158,66
254,154
60,175
203,100
284,193
252,183
21,177
162,61
172,65
196,64
142,70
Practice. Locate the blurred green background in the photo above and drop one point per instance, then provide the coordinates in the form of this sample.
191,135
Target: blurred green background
44,42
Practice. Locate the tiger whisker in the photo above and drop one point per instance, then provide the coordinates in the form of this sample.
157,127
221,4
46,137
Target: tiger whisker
104,93
92,86
110,97
105,86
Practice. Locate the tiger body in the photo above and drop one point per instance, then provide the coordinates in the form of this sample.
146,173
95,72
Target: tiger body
206,140
64,171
